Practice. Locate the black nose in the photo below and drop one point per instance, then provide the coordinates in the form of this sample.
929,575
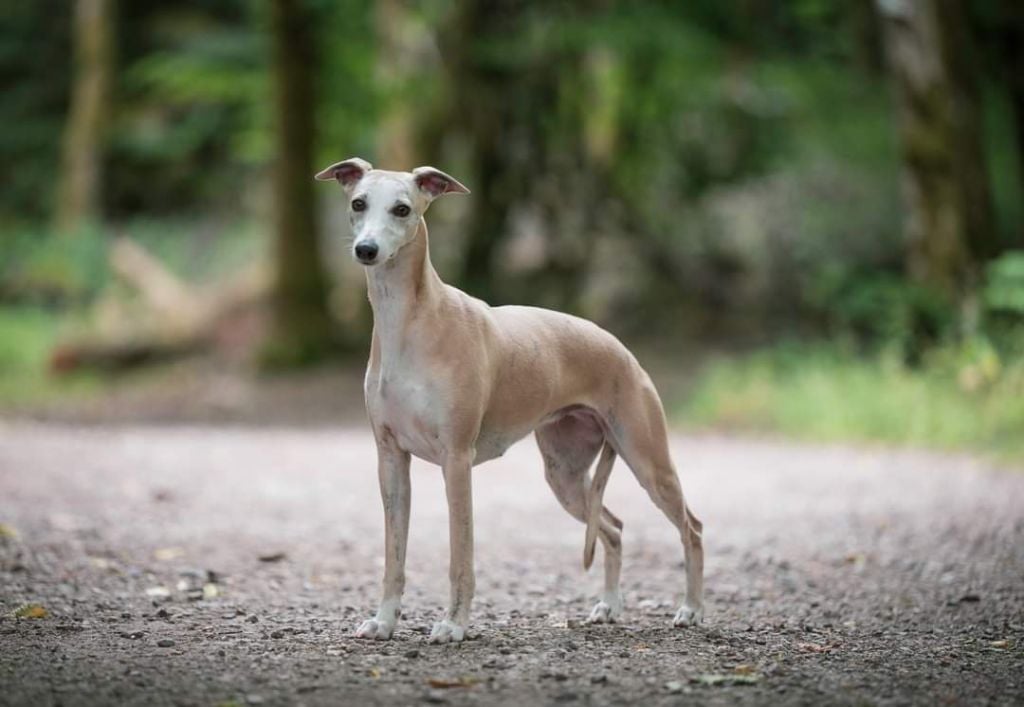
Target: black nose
367,251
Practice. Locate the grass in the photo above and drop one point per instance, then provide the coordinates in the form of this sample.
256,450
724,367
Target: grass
27,336
956,400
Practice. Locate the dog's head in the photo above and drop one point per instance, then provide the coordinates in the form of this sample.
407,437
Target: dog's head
385,208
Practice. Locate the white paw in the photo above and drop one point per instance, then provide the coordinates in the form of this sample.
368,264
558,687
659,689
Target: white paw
376,629
447,632
688,617
605,612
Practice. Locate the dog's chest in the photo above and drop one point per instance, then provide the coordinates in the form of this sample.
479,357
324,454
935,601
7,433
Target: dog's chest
408,405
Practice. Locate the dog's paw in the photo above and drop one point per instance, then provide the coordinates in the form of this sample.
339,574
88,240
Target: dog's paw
375,629
447,632
687,616
605,612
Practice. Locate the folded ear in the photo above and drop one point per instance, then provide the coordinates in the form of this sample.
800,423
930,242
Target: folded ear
347,173
434,182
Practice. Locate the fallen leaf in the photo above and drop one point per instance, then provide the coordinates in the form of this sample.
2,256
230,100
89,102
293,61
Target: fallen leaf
165,554
272,557
31,611
1000,644
674,686
102,563
210,591
374,672
7,531
456,682
814,648
744,669
718,679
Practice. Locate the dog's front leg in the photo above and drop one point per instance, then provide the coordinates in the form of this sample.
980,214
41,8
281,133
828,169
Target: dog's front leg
396,493
459,489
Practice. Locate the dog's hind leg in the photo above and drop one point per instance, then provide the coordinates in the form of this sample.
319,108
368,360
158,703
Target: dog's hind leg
569,446
639,429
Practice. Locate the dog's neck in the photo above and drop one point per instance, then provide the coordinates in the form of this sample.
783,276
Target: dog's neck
402,289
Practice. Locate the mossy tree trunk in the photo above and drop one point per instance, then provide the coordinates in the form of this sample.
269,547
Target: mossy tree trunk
302,330
522,166
79,183
949,224
1013,53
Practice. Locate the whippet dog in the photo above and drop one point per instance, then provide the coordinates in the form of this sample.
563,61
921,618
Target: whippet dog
456,382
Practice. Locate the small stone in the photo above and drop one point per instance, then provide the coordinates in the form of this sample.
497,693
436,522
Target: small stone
254,699
277,634
253,619
435,697
165,643
412,653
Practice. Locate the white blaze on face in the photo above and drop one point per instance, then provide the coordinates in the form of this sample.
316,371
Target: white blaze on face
384,209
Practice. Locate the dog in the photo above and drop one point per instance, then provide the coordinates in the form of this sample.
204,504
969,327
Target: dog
456,382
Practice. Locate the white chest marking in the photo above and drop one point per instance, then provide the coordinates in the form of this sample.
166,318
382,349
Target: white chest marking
408,405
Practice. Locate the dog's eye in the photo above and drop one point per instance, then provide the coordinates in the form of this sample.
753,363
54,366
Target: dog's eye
401,211
358,205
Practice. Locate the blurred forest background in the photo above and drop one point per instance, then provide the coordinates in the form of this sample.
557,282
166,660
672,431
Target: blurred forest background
809,212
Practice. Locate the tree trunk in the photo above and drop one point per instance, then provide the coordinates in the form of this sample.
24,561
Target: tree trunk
484,95
1013,52
302,331
949,223
78,195
519,160
400,48
866,28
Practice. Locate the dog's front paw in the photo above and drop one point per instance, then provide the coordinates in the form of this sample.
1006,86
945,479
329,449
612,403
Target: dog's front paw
447,632
605,612
687,616
375,629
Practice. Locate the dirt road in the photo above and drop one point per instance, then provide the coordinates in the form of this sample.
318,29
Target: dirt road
834,575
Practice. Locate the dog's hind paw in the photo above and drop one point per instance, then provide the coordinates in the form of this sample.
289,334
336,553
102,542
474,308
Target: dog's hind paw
375,629
604,613
447,632
687,616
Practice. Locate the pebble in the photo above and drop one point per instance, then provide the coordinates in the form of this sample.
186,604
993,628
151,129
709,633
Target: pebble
253,619
165,643
412,653
277,634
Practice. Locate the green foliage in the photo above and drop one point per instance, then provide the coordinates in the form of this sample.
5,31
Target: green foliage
1004,284
27,336
44,268
880,309
964,397
35,72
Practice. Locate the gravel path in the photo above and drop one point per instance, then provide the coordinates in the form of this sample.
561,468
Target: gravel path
834,576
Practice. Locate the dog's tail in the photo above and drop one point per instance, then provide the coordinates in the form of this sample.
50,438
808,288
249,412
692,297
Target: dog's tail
594,504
